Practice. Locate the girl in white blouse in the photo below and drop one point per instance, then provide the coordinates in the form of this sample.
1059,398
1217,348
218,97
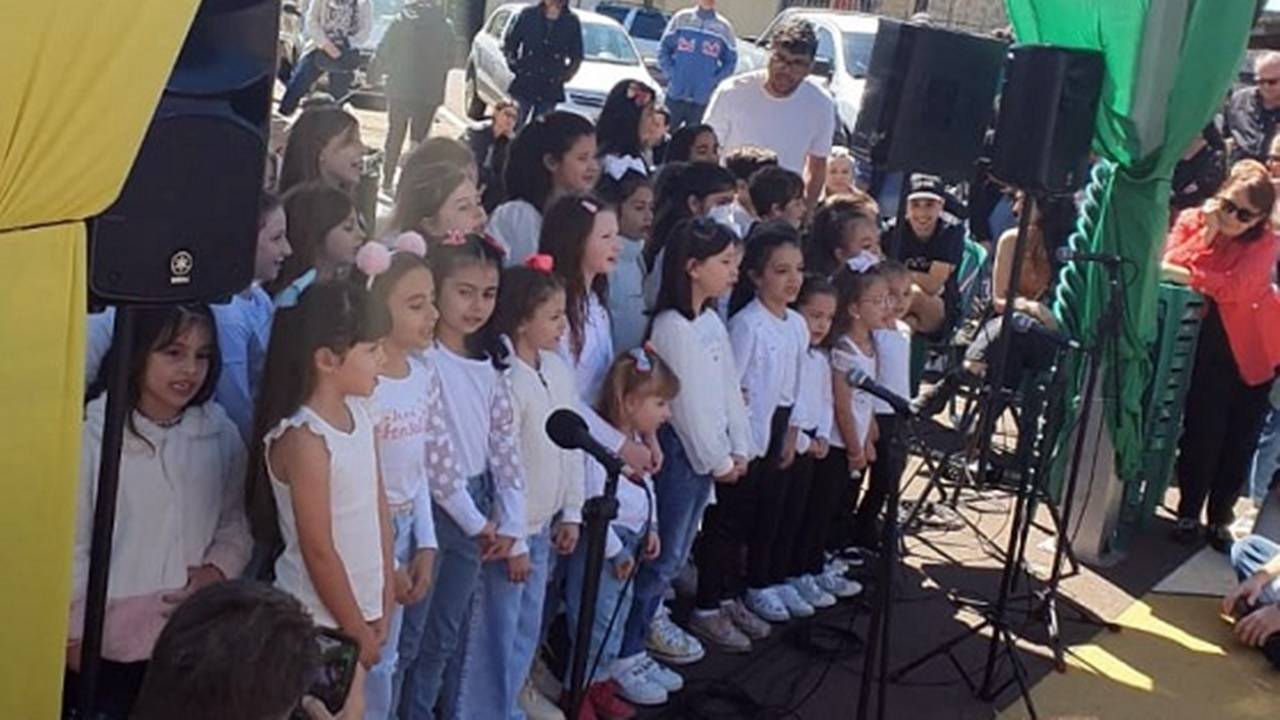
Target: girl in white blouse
479,514
179,521
315,486
531,315
864,305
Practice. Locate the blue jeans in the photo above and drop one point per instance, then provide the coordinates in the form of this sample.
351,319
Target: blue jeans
615,594
1248,555
305,75
529,110
1266,459
433,627
502,636
681,496
380,683
684,112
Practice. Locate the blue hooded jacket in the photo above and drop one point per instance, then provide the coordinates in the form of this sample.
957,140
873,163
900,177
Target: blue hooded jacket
698,51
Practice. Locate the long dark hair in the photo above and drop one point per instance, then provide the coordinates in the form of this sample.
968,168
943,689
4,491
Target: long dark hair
850,286
761,242
618,129
673,187
311,211
313,129
829,222
155,328
527,176
445,258
694,239
333,315
682,141
521,291
565,229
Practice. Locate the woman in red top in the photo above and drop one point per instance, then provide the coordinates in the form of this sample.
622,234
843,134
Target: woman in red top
1226,250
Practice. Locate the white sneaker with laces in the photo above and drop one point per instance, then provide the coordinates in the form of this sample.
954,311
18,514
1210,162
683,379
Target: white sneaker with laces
718,629
795,604
767,605
837,585
634,684
811,593
669,680
671,643
745,620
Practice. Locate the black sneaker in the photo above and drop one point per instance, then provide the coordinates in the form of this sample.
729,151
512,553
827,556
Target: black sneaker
1187,531
1220,538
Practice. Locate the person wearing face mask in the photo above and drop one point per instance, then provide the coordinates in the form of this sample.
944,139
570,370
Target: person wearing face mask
931,246
1226,251
779,108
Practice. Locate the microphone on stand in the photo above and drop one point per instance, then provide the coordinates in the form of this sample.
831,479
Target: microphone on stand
860,379
568,430
1066,254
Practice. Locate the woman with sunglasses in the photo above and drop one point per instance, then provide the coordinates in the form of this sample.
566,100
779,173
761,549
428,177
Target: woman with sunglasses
1226,250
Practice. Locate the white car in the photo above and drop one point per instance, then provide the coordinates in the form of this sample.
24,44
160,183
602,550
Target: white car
609,56
845,40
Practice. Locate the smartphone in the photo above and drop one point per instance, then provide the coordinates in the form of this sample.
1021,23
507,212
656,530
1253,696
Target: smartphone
332,681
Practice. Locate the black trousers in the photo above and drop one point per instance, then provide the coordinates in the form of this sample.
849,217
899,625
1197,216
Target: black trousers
118,687
785,559
830,484
404,116
1220,426
885,473
746,514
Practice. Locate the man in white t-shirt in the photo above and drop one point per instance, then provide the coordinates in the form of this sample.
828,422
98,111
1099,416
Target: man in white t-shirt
780,108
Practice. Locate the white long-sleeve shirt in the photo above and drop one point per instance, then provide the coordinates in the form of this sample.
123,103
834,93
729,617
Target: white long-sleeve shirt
590,367
553,476
626,297
709,415
481,420
767,351
331,19
815,406
180,505
845,356
635,504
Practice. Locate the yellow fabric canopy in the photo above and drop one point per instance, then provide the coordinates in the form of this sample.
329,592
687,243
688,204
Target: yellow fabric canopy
78,84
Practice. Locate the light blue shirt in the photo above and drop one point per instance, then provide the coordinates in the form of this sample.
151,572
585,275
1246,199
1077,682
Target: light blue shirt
244,331
626,297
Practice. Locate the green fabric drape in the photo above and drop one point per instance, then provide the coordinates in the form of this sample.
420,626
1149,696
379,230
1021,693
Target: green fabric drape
1169,64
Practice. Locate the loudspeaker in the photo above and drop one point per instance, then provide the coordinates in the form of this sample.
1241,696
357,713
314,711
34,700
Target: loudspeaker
184,227
1048,107
929,99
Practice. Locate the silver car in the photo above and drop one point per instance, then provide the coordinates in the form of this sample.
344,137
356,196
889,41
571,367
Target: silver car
609,56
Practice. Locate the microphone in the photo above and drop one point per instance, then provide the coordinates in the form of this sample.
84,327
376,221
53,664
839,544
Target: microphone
1025,324
568,430
1066,254
859,378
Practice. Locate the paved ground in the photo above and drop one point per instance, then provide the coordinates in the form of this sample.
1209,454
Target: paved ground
450,119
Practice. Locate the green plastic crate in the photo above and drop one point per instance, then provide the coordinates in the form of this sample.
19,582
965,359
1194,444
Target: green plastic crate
1179,312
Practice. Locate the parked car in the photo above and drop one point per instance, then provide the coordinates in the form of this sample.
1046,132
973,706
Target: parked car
845,40
645,25
609,56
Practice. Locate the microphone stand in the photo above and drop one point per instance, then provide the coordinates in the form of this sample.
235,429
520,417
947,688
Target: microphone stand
597,513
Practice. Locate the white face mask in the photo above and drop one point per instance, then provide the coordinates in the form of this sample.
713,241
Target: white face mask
723,214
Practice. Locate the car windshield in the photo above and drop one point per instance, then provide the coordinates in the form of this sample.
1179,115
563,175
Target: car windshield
607,43
857,52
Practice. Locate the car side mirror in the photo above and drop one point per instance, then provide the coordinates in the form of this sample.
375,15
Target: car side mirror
823,68
291,9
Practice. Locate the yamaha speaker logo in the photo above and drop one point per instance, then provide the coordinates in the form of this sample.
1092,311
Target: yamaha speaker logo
180,266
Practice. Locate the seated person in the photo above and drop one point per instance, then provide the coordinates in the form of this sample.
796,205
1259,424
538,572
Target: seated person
931,247
1253,602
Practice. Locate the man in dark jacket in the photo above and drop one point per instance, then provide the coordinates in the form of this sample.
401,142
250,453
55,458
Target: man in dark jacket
415,54
1252,113
543,48
489,141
